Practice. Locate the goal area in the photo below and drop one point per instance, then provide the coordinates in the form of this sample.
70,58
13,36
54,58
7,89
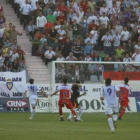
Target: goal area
91,76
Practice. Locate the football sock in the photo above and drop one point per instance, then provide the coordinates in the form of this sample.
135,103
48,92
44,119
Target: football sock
60,111
110,122
73,113
115,117
80,113
122,112
70,116
33,113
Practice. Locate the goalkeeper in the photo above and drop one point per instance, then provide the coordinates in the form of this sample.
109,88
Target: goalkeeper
75,94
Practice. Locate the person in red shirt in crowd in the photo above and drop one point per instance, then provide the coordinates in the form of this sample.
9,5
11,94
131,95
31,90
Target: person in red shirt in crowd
48,26
65,99
1,8
124,93
20,51
61,18
63,8
84,5
38,35
91,25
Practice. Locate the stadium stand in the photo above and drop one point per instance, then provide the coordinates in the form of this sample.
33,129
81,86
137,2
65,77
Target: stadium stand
82,30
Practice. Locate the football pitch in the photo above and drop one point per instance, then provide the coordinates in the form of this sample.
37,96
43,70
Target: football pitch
17,126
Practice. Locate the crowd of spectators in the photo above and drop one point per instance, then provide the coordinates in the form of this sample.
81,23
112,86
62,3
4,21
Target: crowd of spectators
11,55
82,30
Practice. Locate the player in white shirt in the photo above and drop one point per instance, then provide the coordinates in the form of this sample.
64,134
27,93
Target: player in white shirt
109,94
33,90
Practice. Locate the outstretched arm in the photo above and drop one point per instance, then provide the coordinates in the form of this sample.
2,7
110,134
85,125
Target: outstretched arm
54,93
25,94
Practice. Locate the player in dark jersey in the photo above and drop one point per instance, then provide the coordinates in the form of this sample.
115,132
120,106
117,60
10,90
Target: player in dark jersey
75,95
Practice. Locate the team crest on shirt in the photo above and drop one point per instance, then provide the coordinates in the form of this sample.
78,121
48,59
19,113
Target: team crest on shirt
9,84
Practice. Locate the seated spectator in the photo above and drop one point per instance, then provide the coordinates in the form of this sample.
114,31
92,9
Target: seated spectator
119,51
7,43
15,67
20,51
43,40
49,55
48,26
14,56
71,57
88,58
38,35
2,20
2,59
60,57
56,44
130,68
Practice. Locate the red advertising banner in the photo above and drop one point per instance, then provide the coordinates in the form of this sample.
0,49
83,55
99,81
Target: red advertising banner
122,75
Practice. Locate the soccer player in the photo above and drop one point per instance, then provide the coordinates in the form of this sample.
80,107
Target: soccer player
124,92
32,89
75,95
109,94
64,99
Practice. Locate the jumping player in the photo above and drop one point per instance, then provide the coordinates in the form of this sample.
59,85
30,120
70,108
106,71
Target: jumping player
64,99
75,95
109,94
32,89
124,92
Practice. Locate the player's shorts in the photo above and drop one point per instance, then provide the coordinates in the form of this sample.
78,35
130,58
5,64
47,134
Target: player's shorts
33,99
74,103
124,103
112,110
65,102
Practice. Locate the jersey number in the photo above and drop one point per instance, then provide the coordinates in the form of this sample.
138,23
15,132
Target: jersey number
32,88
109,91
64,93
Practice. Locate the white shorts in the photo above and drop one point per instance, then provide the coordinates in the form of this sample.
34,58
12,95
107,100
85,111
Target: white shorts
112,110
33,99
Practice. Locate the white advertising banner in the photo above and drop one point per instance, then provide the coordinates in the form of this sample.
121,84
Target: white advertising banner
12,84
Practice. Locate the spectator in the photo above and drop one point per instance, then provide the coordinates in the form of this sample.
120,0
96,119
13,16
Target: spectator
49,55
88,49
71,57
136,58
51,17
41,21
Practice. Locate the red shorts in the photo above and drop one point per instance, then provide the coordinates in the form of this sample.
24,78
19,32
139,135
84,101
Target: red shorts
65,102
124,103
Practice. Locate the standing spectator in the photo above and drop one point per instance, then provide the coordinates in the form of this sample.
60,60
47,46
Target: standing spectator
116,40
41,21
125,34
2,59
107,40
48,27
26,10
136,58
2,20
88,49
104,19
77,48
14,33
49,55
51,17
66,48
118,27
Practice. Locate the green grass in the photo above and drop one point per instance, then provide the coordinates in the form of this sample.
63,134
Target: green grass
17,126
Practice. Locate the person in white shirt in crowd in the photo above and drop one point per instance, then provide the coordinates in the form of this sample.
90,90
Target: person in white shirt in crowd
134,3
14,55
116,40
95,34
136,58
91,40
71,57
125,34
33,4
57,26
2,30
104,9
49,55
118,4
77,17
109,94
81,12
2,59
26,10
56,12
107,42
60,57
61,33
114,10
127,58
119,27
30,30
93,17
104,19
109,3
137,46
88,58
41,21
47,1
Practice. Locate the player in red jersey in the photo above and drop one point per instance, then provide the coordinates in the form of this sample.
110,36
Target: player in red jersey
65,99
124,93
